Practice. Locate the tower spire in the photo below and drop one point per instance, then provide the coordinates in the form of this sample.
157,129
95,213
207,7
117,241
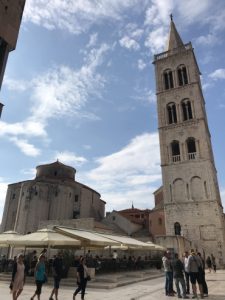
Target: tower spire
174,40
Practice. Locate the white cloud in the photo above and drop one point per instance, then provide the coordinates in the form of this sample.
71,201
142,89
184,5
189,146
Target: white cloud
70,158
145,95
141,64
76,16
131,174
156,40
16,85
25,147
129,43
218,74
207,40
92,40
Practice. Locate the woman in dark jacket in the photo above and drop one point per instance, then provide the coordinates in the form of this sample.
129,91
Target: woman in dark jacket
82,278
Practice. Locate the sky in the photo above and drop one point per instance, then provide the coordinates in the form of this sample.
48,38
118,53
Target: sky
80,87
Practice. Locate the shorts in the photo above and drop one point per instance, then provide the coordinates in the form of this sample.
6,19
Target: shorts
56,282
195,276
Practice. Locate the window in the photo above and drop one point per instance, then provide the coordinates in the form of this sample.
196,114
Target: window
172,113
177,228
76,198
55,173
182,75
114,218
168,79
76,214
56,194
186,109
160,221
175,149
13,196
191,148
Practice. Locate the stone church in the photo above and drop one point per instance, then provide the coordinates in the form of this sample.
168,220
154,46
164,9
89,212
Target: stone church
53,195
192,203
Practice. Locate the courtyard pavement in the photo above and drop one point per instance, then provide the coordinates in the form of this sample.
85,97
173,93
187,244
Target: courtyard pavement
145,290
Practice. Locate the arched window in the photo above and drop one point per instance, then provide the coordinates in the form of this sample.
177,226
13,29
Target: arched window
182,75
175,149
160,221
191,148
168,79
186,109
177,228
172,113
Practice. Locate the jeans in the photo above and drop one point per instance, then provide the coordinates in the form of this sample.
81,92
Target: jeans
187,279
169,283
182,282
81,287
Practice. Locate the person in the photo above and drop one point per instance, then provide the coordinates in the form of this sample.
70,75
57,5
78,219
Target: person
57,268
18,277
82,278
187,276
40,276
194,265
209,264
178,275
213,262
115,255
168,273
204,284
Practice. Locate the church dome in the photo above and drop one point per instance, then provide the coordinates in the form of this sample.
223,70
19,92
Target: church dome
56,170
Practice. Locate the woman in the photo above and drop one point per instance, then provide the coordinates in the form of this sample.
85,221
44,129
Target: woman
209,263
82,278
40,276
18,277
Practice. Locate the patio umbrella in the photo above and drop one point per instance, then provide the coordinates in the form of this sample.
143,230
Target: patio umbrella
45,238
6,237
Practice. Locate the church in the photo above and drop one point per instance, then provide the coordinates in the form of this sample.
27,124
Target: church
192,203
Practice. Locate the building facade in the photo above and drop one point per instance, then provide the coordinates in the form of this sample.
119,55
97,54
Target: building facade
52,195
10,18
192,201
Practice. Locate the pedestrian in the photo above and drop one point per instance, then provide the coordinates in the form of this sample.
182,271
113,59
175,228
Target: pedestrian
213,262
82,278
209,264
18,277
40,276
178,275
57,269
168,274
194,267
204,284
186,273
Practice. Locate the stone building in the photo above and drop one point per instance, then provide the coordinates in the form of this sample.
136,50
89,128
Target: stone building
10,18
192,201
52,195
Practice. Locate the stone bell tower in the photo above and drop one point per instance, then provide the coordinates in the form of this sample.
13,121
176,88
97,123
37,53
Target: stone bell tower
191,194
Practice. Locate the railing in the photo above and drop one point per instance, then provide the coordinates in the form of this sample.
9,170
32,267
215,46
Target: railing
192,155
176,158
173,51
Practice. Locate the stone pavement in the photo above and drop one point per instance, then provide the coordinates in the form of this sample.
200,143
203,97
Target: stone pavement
145,290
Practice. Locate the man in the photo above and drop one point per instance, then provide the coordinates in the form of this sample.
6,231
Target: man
187,277
168,273
178,268
204,284
57,267
194,267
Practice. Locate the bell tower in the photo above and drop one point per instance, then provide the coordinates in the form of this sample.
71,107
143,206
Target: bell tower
192,201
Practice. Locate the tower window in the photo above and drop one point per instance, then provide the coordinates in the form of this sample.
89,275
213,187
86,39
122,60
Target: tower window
177,228
175,149
172,113
191,148
182,75
187,110
76,198
168,79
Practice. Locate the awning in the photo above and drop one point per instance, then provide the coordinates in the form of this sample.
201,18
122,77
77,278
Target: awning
45,238
87,238
6,238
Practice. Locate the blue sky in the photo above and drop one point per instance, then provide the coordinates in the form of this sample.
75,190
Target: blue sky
80,87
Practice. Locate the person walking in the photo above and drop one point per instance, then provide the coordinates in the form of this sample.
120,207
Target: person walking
82,278
40,276
168,274
213,262
18,277
194,267
57,268
178,275
187,276
204,284
209,263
